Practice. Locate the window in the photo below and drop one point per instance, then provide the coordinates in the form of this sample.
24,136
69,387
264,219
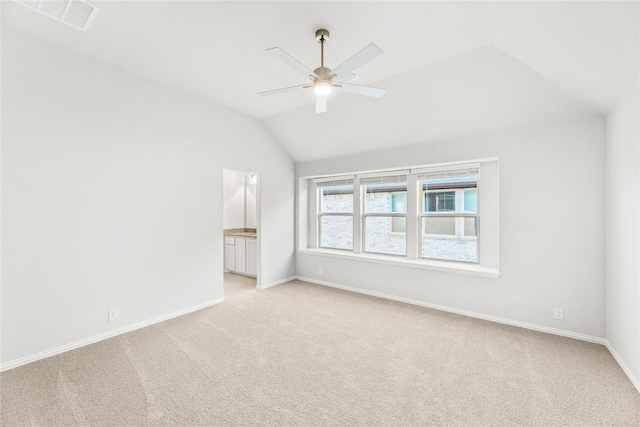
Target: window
441,217
335,216
449,215
439,201
385,214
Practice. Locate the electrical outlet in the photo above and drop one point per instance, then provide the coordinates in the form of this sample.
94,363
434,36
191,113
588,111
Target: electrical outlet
113,314
558,313
320,272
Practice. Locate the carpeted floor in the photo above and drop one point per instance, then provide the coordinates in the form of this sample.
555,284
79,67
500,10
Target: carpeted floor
304,355
236,284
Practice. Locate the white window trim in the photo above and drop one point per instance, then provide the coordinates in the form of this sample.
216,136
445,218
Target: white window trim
448,167
412,258
464,268
333,178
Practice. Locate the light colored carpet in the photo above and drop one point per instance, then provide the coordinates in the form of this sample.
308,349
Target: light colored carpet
304,355
236,284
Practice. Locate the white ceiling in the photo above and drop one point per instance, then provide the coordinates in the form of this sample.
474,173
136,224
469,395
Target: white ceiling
451,68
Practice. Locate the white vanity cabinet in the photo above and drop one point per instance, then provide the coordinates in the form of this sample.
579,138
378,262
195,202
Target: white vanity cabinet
252,257
241,255
229,253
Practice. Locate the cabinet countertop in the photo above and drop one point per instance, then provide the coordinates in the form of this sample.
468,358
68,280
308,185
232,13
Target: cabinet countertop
241,232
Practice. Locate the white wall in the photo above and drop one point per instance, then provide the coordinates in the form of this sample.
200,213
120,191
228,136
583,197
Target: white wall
623,233
251,206
112,197
234,199
240,200
551,229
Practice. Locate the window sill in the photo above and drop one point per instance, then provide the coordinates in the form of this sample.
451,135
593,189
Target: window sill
435,265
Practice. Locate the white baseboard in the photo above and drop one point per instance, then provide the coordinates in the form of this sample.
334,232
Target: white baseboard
554,331
277,282
635,381
63,348
482,316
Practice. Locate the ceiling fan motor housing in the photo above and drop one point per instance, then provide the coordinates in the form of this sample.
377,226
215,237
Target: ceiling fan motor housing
322,35
323,72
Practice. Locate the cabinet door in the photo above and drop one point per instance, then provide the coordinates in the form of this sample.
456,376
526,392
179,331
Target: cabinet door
241,255
252,257
230,257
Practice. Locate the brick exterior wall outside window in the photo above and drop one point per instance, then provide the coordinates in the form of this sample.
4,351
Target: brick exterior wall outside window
447,238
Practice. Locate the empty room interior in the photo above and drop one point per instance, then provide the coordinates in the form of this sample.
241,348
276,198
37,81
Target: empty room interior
320,213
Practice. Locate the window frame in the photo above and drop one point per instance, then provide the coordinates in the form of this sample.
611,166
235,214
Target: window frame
487,264
364,214
449,214
320,214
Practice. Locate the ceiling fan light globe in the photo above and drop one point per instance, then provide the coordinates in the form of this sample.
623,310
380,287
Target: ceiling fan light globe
322,88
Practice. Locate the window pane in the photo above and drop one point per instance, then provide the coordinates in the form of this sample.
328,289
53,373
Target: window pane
399,202
399,225
450,238
439,225
336,232
450,194
337,198
380,236
471,201
440,201
386,197
471,227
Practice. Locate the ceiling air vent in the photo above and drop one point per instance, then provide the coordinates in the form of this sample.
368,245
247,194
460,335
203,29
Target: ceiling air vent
75,13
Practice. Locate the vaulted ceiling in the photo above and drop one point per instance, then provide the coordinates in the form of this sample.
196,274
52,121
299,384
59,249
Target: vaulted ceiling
450,68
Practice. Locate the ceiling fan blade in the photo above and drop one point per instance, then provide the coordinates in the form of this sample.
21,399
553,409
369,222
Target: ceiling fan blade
293,62
321,103
359,59
346,77
363,90
281,90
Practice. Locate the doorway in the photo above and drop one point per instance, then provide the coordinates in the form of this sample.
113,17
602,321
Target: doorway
241,231
236,284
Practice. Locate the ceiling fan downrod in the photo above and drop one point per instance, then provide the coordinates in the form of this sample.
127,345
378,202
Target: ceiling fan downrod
322,36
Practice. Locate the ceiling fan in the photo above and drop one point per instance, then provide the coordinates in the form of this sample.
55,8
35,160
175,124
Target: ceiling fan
323,79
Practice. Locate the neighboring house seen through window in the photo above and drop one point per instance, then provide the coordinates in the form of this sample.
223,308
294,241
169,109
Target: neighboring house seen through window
385,214
449,217
335,217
